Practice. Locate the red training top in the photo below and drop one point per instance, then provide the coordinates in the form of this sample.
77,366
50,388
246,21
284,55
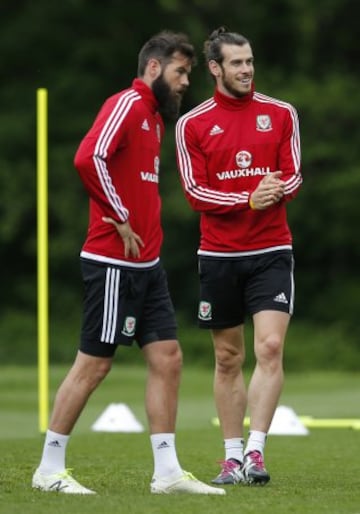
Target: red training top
118,162
225,146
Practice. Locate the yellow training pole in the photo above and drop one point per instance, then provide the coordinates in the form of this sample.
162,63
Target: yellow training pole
42,259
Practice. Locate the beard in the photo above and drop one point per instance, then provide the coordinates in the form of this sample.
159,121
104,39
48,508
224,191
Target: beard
232,90
169,102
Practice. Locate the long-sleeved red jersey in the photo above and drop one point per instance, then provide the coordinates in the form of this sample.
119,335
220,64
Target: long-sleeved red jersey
225,146
118,162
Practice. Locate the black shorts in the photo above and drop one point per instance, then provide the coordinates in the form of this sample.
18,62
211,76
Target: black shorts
232,287
123,305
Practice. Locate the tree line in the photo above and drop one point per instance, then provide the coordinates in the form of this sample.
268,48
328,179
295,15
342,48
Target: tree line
84,50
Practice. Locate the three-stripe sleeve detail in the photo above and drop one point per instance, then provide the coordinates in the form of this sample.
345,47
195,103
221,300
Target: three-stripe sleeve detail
110,128
296,179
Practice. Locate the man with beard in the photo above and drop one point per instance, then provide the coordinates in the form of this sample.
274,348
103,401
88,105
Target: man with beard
126,294
239,160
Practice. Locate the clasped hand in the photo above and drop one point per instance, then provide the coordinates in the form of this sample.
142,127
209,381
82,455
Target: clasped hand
269,191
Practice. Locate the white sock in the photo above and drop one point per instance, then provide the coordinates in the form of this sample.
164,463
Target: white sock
234,448
53,456
256,442
165,457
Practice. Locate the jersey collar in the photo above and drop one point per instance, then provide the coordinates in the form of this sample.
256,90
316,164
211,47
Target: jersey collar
146,93
231,103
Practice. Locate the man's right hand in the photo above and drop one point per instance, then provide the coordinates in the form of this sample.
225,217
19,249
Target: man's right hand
132,241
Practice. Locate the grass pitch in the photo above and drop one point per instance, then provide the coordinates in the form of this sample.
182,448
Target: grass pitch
314,474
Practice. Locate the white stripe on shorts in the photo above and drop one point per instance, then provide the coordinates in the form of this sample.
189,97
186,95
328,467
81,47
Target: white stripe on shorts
111,303
292,292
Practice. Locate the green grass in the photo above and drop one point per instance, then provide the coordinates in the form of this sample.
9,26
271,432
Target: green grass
316,474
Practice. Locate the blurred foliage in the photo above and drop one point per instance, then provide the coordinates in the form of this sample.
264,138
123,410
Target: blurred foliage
84,50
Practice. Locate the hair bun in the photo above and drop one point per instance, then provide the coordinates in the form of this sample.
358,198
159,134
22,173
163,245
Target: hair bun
216,33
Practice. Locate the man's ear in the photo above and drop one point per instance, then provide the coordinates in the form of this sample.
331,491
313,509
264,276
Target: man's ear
214,68
154,68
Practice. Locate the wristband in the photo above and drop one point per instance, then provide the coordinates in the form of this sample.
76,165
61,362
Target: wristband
251,204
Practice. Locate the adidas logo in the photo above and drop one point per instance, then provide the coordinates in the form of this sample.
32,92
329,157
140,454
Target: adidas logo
163,445
55,444
145,125
281,298
216,130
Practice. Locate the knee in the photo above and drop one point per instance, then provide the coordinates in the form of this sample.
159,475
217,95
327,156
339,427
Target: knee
229,360
96,373
269,348
103,369
174,359
168,360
